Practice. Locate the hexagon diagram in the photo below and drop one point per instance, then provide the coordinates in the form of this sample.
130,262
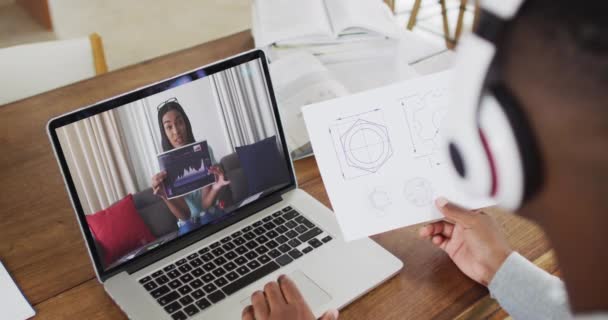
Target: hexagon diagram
366,145
362,144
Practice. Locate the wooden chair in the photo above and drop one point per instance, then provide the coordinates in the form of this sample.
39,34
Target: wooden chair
35,68
449,41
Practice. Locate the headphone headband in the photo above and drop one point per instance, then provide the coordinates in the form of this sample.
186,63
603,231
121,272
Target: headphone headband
487,138
504,9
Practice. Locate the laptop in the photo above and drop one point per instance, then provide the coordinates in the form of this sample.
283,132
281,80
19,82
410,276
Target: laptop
186,197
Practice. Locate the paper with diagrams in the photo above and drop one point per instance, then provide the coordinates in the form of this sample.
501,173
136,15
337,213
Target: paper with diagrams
378,154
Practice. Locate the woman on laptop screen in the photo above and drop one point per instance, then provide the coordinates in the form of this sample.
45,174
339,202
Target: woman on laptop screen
176,132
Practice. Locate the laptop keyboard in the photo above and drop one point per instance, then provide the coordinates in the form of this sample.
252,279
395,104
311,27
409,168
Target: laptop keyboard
195,282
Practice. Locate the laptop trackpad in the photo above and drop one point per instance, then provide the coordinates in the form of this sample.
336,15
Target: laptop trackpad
313,294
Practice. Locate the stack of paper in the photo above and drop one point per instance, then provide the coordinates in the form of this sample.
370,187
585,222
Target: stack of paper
323,27
323,49
300,79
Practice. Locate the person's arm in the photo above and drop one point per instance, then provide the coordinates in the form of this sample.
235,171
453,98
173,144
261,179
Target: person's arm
210,192
209,195
477,246
526,291
177,206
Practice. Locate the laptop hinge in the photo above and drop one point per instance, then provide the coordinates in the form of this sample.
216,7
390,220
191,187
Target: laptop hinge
203,232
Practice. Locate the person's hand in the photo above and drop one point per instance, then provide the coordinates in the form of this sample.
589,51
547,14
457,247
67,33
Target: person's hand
280,301
157,184
472,239
220,179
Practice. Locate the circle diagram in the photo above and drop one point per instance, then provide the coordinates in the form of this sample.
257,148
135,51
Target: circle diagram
366,145
418,191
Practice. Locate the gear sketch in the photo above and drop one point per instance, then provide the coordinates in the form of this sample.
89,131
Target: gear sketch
418,191
380,200
362,143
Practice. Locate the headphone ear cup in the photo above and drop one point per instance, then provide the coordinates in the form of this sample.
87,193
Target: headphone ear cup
468,165
511,146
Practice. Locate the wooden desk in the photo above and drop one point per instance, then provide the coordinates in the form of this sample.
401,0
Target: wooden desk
42,247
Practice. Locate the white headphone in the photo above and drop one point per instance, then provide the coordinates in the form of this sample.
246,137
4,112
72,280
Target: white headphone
487,138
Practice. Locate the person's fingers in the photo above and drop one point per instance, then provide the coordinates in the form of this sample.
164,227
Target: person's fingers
440,241
437,240
454,213
159,177
448,229
425,231
248,313
273,295
290,291
215,170
330,315
156,188
260,305
440,227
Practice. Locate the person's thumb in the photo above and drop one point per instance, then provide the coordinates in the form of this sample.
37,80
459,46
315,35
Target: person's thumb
452,212
330,315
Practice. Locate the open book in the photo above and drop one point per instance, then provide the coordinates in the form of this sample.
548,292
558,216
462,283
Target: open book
320,21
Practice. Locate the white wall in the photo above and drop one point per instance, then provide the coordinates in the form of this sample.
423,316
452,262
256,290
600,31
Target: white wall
197,100
134,31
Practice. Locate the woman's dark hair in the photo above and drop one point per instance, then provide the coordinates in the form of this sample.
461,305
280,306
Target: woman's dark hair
167,106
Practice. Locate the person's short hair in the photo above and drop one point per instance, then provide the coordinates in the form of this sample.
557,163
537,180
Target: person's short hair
577,29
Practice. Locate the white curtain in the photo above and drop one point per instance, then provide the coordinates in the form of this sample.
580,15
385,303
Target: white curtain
98,161
242,96
142,136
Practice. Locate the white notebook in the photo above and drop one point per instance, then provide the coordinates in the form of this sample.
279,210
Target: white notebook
13,304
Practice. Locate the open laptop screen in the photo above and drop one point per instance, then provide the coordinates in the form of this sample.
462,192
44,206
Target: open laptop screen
184,155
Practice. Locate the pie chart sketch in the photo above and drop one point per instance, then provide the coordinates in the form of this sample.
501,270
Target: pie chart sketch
418,191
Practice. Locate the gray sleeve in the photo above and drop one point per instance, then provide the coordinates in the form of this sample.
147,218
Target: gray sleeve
526,291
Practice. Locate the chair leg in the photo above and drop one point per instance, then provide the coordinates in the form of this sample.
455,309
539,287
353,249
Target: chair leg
476,14
446,27
390,4
459,25
413,15
99,57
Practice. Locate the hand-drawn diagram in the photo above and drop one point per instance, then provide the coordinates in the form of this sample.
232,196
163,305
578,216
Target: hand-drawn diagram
423,114
418,191
362,143
380,199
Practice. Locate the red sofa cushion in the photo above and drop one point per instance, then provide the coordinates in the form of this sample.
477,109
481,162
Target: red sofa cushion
119,229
